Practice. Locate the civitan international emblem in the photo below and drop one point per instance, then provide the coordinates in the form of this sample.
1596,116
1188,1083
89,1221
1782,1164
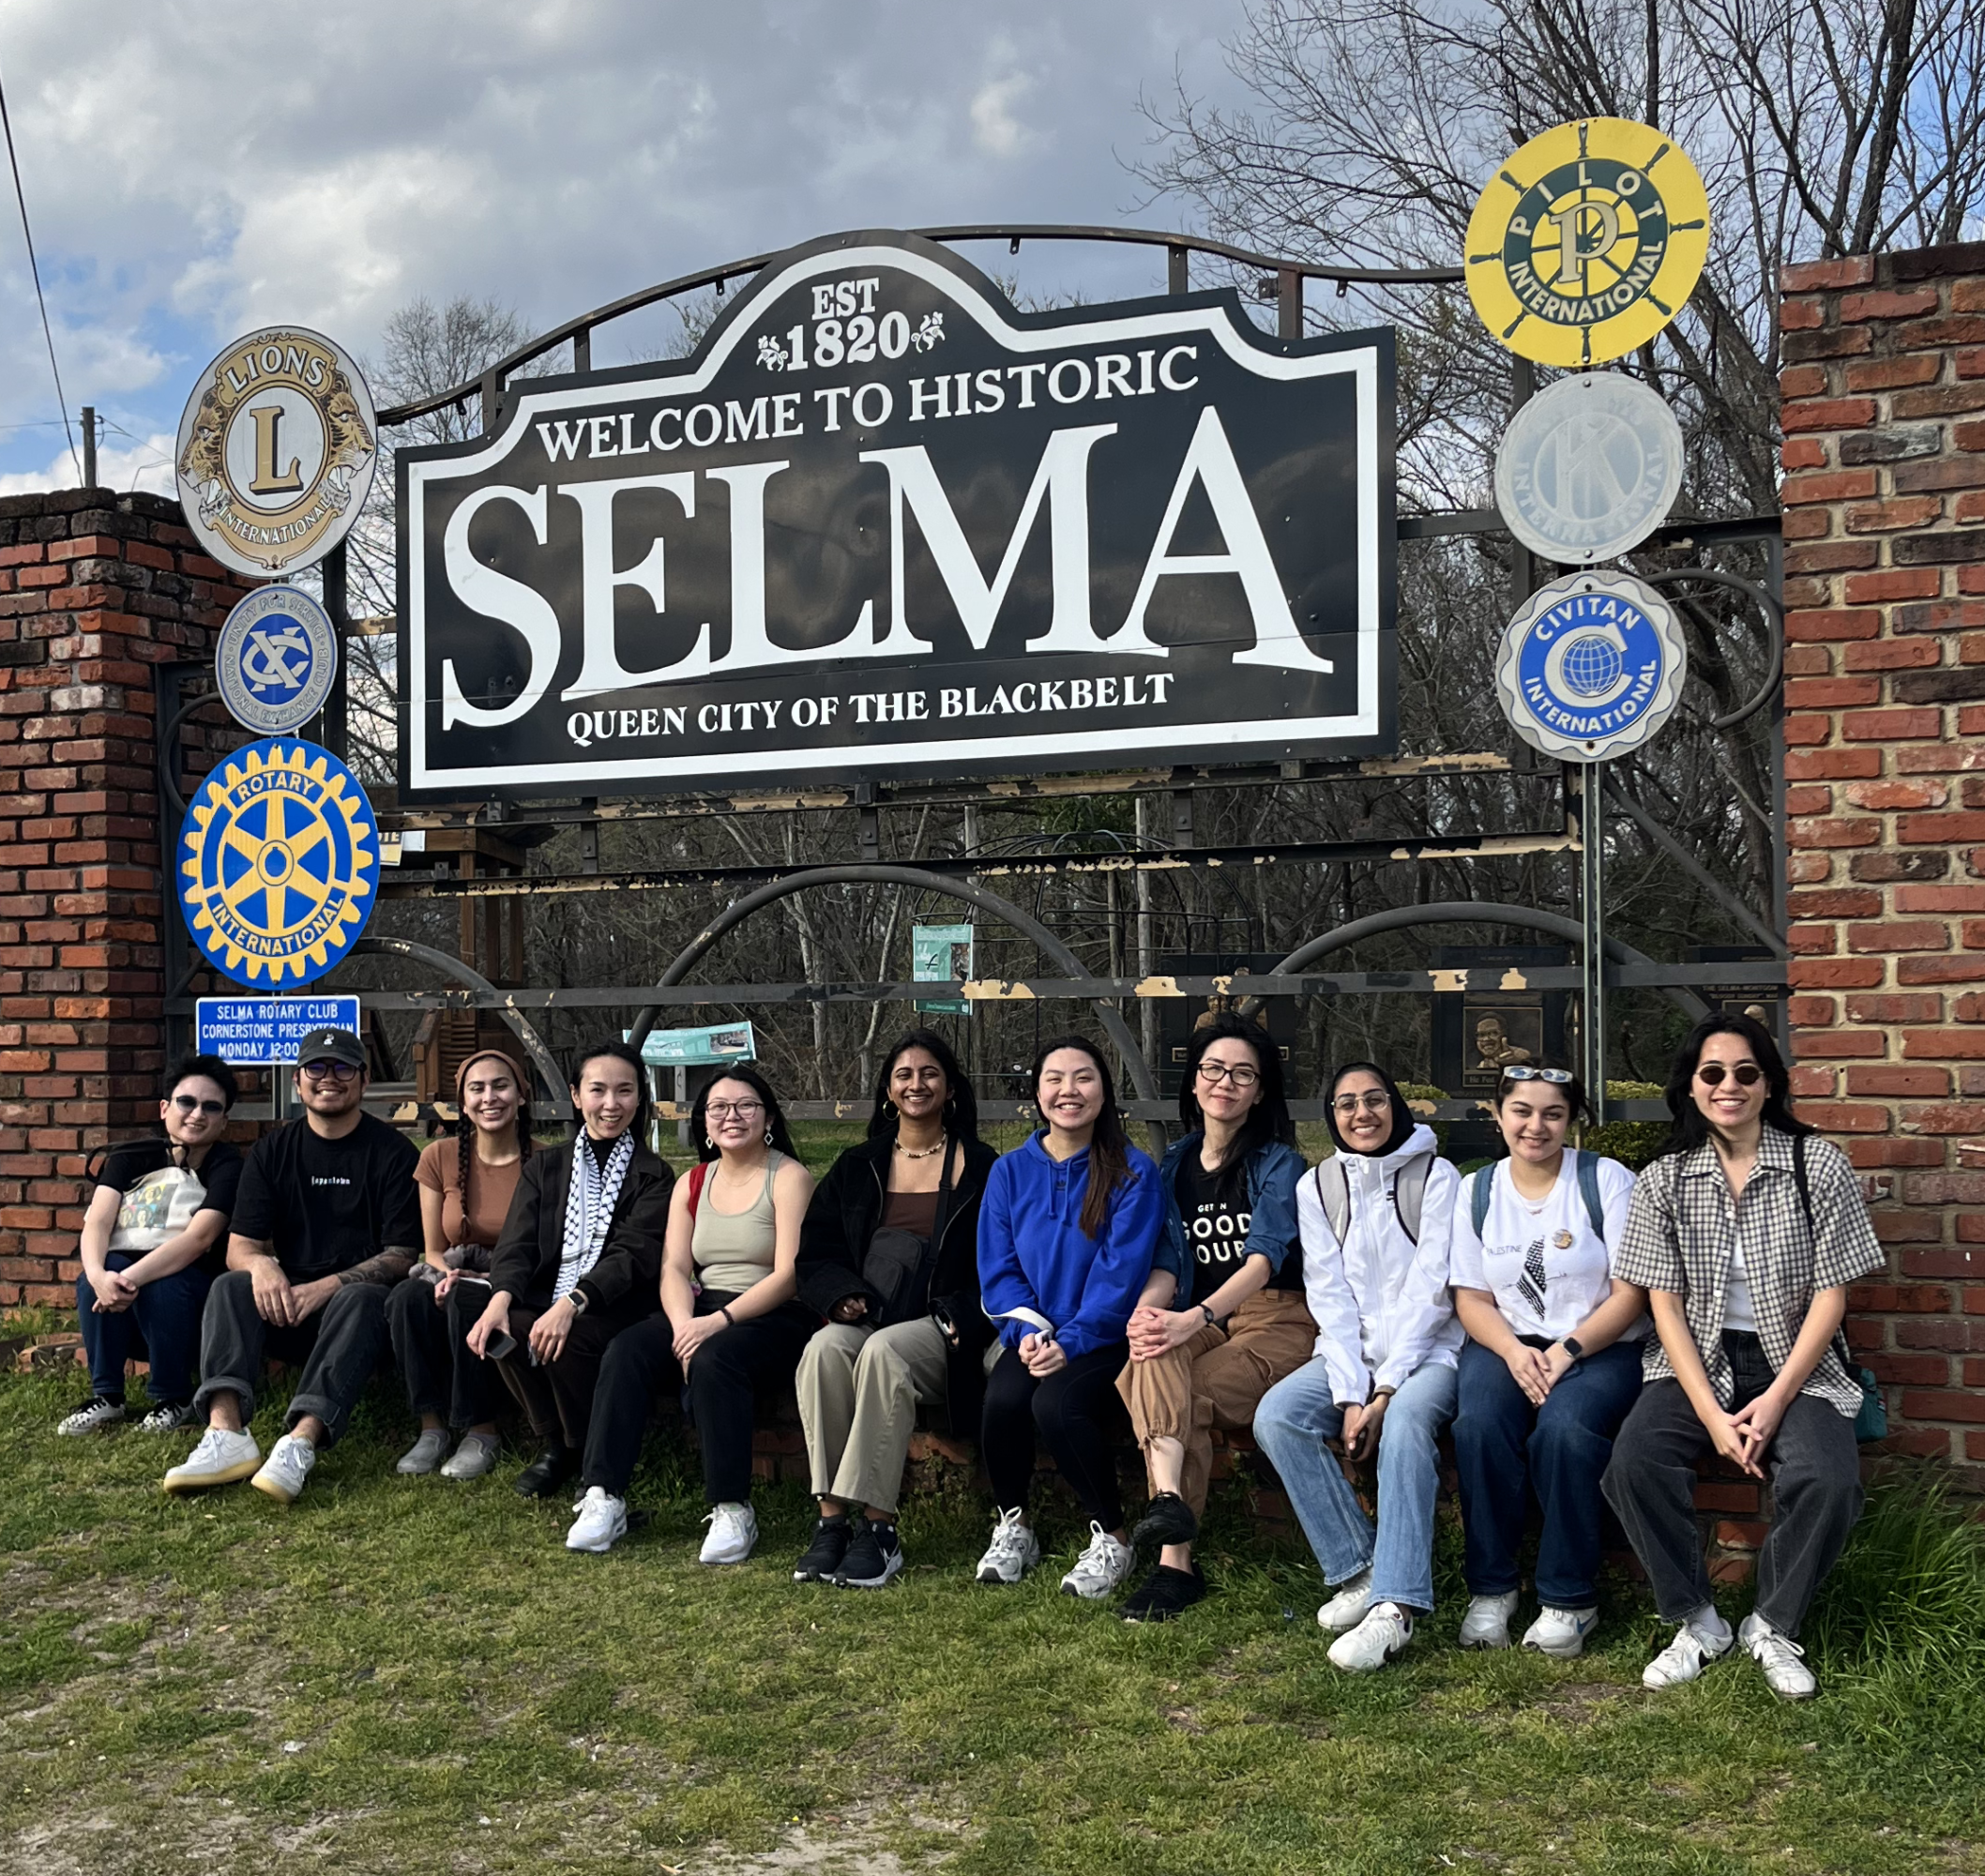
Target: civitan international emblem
277,449
276,660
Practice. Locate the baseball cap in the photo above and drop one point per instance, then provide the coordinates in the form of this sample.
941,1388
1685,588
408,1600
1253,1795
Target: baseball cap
331,1045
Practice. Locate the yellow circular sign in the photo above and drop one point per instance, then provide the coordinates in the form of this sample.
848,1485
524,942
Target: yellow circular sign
1587,241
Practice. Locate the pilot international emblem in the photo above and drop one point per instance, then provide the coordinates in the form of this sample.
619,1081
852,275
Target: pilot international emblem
277,449
279,863
1590,667
1587,242
277,661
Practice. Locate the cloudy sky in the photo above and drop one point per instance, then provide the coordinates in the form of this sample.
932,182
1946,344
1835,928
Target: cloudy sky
194,168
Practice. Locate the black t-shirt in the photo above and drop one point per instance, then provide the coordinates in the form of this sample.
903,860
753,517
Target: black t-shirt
1214,1208
156,1208
327,1205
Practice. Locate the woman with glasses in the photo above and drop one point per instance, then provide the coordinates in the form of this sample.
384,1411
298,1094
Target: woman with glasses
1551,1363
1375,1220
729,1329
153,1239
1746,1234
1222,1318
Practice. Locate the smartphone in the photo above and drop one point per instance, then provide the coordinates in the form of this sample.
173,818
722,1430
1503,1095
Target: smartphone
500,1348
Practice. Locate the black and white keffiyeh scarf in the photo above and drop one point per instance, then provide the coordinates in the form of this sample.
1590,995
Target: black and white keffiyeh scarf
589,1203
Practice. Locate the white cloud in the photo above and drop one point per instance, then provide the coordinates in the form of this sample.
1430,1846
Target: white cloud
143,464
995,127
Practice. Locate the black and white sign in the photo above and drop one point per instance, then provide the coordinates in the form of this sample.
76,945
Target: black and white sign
884,523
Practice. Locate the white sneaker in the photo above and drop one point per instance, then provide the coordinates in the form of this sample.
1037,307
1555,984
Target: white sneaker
1783,1659
1561,1632
602,1522
1347,1608
476,1456
1100,1568
734,1534
220,1458
1013,1551
100,1412
286,1470
1487,1623
1706,1637
1381,1635
425,1455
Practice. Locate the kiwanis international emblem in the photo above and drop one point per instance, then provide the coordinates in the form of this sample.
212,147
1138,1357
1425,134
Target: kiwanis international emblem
279,863
276,660
1587,242
277,449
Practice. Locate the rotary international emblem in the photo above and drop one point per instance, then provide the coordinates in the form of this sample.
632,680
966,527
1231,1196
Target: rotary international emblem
277,449
279,863
1587,242
276,660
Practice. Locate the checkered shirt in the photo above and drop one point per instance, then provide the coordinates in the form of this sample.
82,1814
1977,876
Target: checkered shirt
1680,1231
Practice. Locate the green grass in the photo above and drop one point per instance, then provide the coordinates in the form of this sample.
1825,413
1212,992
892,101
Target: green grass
401,1675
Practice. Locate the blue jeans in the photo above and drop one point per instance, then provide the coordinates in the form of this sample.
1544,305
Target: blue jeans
1295,1418
1506,1450
163,1325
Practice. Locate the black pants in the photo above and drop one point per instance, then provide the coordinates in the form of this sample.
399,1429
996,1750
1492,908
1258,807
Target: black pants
339,1347
1075,1410
1815,1488
431,1342
557,1395
726,1376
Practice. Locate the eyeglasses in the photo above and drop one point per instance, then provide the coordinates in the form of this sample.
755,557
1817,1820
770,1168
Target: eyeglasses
1240,1074
743,1109
329,1071
1747,1074
187,1105
1377,1101
1558,1077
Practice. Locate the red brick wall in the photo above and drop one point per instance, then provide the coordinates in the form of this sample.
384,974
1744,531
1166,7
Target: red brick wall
1883,403
96,588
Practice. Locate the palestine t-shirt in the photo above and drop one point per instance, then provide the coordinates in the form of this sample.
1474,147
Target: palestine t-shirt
324,1206
1214,1209
159,1199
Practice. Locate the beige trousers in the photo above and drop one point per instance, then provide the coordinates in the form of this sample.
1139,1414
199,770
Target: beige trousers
859,1389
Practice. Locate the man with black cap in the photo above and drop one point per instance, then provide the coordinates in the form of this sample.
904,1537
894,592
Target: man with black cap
326,1222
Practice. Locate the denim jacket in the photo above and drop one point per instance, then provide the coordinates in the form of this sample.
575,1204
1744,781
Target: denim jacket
1273,1172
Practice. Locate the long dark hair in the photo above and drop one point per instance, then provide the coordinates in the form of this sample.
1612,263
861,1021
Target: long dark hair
1403,1120
1109,1146
1268,1118
960,1103
465,1127
1690,1126
775,1116
620,1052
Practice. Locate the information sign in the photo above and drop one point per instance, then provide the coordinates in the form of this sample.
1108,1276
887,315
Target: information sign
263,1031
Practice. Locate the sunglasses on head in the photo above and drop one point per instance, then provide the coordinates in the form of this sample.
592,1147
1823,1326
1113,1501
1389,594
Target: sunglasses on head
1558,1077
1747,1074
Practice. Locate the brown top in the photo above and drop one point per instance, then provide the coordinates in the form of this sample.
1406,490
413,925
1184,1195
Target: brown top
913,1212
491,1190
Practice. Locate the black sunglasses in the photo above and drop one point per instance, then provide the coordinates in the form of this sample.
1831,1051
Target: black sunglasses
186,1104
1747,1074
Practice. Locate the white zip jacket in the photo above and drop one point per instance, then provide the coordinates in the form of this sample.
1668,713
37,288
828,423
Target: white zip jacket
1381,1302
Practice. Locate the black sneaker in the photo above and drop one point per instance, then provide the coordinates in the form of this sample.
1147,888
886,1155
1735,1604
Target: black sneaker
1164,1595
1167,1520
546,1474
873,1558
823,1554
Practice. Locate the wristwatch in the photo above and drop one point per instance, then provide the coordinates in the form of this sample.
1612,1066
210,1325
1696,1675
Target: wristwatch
1572,1347
1212,1320
577,1298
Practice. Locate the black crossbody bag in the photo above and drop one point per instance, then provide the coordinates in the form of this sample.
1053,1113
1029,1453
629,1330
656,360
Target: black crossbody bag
895,1256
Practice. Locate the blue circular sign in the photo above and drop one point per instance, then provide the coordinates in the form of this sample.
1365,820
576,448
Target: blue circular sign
277,660
1591,667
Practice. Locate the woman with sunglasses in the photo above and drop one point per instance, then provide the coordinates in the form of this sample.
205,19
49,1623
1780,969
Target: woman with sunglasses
1746,1234
729,1329
1375,1220
1222,1318
153,1239
1551,1363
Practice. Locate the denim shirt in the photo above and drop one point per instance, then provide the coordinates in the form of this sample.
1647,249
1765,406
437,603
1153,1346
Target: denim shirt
1273,1172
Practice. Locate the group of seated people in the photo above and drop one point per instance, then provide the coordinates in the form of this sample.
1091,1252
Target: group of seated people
1584,1335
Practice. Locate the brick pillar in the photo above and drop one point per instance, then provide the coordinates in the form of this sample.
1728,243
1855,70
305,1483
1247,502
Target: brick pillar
1884,390
96,588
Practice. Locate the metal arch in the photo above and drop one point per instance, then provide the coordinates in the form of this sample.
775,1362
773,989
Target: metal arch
1774,620
554,1081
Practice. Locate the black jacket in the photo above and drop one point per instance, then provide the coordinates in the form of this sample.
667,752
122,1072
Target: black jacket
834,1241
626,1280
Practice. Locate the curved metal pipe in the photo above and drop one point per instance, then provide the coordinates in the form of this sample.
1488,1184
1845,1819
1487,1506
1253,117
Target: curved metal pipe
1774,620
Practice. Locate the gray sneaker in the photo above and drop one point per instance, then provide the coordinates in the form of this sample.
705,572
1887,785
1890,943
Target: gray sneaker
476,1456
425,1454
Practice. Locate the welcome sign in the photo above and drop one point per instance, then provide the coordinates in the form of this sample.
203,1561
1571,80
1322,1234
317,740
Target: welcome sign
884,523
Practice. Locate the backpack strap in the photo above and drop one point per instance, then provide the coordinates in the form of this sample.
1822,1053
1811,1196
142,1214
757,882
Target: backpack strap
1589,1177
1803,1181
1333,1193
1481,1186
1409,1193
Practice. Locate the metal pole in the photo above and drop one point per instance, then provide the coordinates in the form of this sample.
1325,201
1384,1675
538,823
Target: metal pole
1592,912
1147,1010
335,603
89,445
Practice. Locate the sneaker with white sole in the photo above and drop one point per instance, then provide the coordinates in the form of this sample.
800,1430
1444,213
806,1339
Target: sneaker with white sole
1346,1609
1385,1631
167,1418
601,1522
100,1412
1781,1659
734,1534
1487,1623
287,1469
1013,1551
1561,1632
474,1457
874,1557
220,1458
425,1455
1706,1637
1101,1567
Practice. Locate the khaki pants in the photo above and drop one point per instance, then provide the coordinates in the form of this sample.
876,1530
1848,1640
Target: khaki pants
1217,1380
859,1389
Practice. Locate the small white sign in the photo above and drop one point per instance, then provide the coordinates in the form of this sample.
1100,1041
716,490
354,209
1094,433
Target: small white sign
263,1031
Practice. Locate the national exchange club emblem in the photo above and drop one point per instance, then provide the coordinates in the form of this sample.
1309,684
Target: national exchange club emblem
1587,242
277,449
277,661
1591,667
279,863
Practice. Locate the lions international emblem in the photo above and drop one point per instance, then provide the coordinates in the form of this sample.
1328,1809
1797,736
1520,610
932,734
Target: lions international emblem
276,660
277,450
279,863
1587,242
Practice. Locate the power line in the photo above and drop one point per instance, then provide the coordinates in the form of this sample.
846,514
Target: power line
34,268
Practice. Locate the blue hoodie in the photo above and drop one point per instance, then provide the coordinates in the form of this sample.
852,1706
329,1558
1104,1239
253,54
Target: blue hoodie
1033,1255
